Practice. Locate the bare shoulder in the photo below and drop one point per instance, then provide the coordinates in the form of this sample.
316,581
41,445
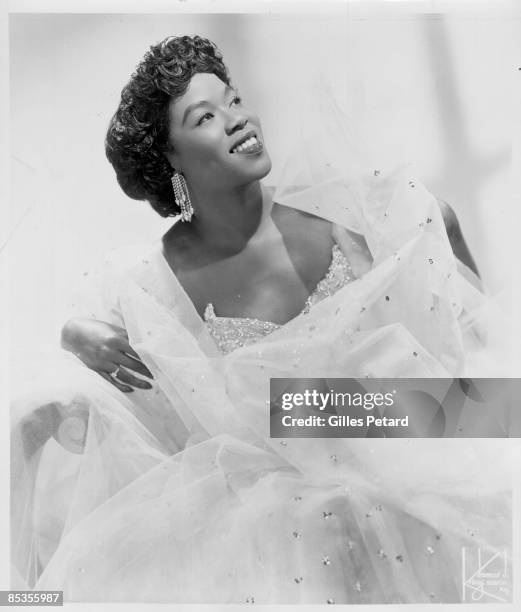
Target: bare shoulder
301,223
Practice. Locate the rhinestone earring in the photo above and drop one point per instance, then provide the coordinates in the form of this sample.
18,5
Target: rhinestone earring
182,197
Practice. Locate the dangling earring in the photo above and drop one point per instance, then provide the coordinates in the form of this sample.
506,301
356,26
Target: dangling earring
182,197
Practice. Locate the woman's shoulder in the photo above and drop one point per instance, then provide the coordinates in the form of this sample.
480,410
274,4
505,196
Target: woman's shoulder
297,221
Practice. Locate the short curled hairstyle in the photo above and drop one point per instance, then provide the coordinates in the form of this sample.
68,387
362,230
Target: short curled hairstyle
137,137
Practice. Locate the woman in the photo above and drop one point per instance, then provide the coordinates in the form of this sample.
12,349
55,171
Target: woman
177,492
213,256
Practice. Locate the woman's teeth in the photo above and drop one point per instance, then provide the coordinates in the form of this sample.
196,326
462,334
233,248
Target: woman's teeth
245,146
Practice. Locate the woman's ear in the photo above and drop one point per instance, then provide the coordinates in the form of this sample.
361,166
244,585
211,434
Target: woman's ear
173,160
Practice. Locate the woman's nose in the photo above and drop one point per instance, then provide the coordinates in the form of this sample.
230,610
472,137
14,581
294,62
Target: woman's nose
235,122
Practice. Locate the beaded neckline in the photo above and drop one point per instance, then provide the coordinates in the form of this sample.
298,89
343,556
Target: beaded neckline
336,257
233,332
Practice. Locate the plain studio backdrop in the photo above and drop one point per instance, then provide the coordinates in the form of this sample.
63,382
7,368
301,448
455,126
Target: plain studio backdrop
434,90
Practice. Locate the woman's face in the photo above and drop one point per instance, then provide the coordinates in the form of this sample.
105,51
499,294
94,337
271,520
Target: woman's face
216,140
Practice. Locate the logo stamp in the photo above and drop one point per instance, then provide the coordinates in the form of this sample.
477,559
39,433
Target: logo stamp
485,576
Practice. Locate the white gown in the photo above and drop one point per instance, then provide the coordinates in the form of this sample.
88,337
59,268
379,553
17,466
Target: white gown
178,494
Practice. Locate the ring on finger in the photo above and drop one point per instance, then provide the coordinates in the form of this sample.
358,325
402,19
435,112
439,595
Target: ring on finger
115,373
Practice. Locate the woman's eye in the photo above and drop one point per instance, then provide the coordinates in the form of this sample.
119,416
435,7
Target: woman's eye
204,118
237,100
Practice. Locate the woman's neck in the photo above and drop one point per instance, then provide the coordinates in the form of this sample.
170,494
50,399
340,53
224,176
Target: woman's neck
227,220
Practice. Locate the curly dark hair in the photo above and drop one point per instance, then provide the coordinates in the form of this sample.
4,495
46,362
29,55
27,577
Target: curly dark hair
137,137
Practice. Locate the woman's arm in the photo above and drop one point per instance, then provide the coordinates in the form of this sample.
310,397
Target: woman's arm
456,239
94,330
104,348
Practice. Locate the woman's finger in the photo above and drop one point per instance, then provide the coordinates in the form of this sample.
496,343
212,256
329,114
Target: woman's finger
115,383
126,377
123,345
134,364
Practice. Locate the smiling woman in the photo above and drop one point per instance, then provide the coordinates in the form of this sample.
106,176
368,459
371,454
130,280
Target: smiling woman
216,139
174,491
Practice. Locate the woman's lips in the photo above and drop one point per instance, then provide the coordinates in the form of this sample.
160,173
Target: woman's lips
250,144
252,149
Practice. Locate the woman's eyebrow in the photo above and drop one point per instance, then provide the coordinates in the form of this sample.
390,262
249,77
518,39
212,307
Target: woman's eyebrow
195,105
192,107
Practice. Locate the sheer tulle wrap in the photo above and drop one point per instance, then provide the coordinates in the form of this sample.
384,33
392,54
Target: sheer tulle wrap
179,494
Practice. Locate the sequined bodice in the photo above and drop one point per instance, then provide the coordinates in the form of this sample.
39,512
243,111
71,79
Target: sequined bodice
231,333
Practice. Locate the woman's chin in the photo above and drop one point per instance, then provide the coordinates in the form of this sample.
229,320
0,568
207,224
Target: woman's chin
254,171
267,167
263,166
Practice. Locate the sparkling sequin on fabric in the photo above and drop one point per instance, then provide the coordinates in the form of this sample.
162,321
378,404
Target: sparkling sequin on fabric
231,333
338,275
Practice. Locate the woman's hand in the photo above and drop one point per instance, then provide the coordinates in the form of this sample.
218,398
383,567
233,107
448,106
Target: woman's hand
104,348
